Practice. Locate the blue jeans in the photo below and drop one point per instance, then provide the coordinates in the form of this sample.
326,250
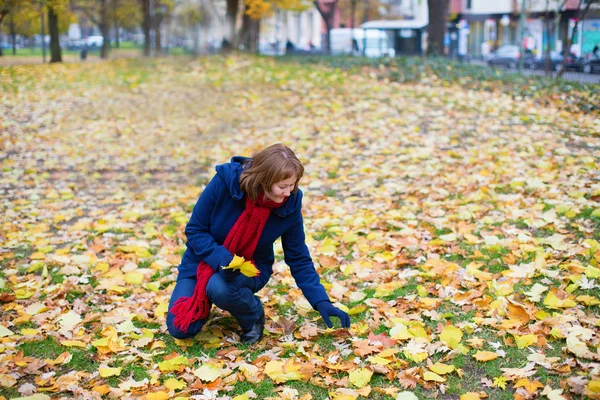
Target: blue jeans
236,297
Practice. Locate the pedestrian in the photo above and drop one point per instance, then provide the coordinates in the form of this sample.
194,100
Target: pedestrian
247,205
596,51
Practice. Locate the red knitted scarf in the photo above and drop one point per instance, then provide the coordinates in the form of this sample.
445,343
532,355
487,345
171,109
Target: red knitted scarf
241,240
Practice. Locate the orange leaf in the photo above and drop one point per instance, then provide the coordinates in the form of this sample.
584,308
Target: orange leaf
530,386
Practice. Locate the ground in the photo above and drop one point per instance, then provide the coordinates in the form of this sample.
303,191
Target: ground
459,228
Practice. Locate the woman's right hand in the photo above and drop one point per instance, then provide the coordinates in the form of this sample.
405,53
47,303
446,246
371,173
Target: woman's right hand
228,274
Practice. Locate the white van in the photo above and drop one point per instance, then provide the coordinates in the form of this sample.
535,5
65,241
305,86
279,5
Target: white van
370,42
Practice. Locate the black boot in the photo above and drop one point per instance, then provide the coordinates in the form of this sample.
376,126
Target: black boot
255,334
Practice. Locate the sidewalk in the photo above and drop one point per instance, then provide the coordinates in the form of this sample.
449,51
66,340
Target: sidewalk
568,76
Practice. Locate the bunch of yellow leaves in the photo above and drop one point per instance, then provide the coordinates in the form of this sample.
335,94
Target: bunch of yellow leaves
245,267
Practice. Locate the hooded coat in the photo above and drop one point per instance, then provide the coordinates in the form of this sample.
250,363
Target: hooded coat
215,213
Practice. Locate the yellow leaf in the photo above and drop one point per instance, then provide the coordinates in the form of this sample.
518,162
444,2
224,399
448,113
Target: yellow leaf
360,377
470,396
400,332
500,382
161,309
172,364
35,308
245,396
432,376
485,356
378,360
23,294
525,340
451,336
592,272
552,301
38,255
5,331
106,372
442,369
588,300
158,396
245,267
29,332
281,372
73,343
152,286
594,386
174,384
134,278
208,372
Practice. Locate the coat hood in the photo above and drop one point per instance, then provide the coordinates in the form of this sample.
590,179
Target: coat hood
230,174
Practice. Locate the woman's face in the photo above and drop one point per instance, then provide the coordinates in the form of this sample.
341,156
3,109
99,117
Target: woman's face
282,189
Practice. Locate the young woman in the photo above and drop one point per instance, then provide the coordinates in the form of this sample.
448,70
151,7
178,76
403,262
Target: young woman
247,205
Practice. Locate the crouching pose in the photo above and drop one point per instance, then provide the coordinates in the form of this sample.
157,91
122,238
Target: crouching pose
248,204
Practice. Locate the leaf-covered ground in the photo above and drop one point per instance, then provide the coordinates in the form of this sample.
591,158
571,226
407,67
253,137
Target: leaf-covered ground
460,229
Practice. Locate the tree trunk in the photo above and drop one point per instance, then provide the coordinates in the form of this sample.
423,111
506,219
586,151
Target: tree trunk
254,35
3,14
146,26
244,34
43,27
547,61
328,14
115,4
55,53
158,18
13,35
230,21
438,15
105,29
352,14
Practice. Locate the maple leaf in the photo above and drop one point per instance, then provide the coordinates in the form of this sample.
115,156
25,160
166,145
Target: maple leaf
500,382
280,371
531,386
381,340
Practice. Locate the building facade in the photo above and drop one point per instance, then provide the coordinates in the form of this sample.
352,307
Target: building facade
484,25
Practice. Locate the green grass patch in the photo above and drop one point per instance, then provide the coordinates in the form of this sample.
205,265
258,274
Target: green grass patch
47,348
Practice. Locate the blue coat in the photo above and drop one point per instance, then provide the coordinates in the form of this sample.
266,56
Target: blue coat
215,213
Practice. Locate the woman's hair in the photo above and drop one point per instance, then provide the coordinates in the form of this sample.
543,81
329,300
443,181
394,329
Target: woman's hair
269,166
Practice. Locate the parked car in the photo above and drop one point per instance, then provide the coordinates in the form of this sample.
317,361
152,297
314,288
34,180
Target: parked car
508,56
591,65
573,62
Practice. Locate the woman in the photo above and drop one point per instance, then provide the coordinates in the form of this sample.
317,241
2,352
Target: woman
247,205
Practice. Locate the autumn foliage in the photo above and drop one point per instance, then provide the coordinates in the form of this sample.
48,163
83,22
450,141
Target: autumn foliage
458,227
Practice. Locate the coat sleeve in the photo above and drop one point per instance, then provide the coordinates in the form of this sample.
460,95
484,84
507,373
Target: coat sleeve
200,240
298,258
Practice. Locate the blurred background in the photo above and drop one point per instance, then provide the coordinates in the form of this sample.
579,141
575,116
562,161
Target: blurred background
536,36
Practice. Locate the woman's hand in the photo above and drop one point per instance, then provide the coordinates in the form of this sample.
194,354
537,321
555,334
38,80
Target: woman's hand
228,274
327,310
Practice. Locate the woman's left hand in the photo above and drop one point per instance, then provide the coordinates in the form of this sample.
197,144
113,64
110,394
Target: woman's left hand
327,310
